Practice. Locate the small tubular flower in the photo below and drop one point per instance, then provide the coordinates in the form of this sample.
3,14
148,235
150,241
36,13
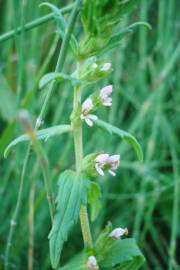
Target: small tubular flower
100,162
92,263
105,95
106,67
118,232
87,106
114,161
107,162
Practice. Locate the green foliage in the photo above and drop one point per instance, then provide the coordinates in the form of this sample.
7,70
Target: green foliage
116,38
143,196
123,135
99,19
61,25
117,254
72,194
57,76
43,134
59,18
94,199
124,254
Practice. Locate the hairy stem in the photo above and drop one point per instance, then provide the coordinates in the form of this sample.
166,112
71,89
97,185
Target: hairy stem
59,67
78,144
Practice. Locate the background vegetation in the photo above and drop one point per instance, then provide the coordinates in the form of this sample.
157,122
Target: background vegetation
143,197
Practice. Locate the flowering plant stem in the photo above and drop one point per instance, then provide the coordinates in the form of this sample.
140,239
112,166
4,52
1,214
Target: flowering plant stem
78,144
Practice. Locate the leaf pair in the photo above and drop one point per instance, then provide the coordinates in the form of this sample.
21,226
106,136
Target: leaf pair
57,130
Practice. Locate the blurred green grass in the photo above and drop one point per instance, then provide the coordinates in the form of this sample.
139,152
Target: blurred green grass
143,197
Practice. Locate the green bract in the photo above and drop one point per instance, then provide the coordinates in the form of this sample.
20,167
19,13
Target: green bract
117,254
99,18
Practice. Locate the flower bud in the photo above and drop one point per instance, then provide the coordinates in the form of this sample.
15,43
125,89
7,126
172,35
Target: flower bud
118,232
92,263
87,106
105,95
106,67
93,70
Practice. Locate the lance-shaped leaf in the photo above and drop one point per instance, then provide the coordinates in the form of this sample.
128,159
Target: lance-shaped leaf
72,194
117,37
122,254
123,135
59,18
58,76
61,25
43,134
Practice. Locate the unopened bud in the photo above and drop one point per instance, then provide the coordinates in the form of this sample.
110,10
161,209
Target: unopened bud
92,263
118,232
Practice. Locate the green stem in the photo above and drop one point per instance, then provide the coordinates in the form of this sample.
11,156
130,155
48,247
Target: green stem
33,24
59,66
78,144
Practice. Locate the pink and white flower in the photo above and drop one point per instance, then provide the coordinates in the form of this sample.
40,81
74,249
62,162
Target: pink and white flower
87,106
92,263
114,161
107,162
106,67
105,95
118,232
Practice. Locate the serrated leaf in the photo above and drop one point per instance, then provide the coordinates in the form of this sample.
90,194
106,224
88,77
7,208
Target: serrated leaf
94,195
72,194
43,134
123,135
122,254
